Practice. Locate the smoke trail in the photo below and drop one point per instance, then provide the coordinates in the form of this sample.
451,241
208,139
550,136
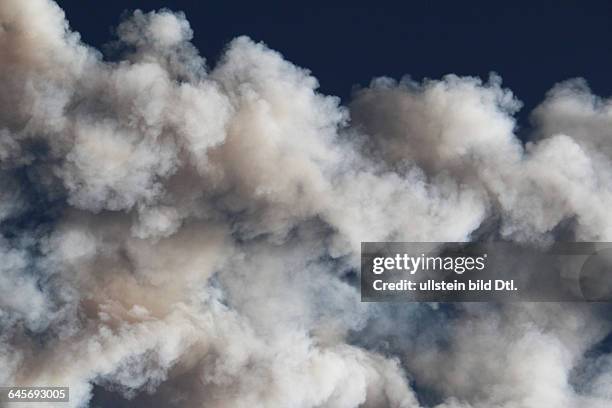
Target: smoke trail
179,235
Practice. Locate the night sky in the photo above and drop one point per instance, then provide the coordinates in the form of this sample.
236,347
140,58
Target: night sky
532,46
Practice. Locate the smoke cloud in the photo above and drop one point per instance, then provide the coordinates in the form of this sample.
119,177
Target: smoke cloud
179,235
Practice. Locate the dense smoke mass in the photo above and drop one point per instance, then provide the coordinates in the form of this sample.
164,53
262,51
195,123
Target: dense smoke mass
182,235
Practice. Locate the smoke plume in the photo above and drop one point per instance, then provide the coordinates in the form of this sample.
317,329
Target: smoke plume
181,235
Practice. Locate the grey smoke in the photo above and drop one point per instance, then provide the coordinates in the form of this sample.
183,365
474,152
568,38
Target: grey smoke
182,235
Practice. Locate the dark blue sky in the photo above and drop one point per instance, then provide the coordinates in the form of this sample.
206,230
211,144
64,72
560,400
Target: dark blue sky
532,46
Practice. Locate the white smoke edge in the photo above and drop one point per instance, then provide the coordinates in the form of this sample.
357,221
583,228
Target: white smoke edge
201,221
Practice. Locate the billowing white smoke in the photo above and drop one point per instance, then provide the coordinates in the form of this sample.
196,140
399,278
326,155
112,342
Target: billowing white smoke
189,237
